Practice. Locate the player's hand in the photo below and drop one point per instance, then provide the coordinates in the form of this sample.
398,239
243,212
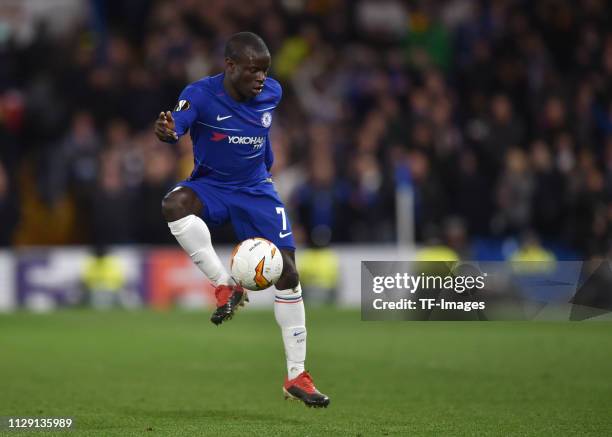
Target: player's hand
165,127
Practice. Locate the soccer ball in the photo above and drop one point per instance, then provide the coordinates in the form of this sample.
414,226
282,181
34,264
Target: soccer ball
256,264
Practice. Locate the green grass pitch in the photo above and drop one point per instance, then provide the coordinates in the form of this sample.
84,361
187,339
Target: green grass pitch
175,374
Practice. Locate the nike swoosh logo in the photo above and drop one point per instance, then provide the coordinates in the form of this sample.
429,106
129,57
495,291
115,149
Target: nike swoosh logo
282,235
219,118
295,334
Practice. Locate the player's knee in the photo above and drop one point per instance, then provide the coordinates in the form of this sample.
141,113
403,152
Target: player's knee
289,279
178,204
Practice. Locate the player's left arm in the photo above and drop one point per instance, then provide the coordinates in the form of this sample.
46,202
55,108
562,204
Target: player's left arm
269,154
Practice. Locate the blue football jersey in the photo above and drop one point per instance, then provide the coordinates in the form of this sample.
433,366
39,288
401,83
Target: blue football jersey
231,140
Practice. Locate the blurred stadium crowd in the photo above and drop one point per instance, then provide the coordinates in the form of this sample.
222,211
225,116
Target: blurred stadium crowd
499,112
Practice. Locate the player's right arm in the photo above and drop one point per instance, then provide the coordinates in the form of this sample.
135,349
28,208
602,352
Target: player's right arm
169,126
165,128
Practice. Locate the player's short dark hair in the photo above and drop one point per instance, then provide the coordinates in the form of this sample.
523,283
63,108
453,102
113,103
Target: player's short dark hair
239,42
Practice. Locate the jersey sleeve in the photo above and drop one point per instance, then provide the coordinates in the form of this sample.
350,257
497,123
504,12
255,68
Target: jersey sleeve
269,155
278,95
185,112
278,92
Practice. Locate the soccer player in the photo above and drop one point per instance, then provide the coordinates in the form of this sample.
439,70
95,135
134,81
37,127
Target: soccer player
228,117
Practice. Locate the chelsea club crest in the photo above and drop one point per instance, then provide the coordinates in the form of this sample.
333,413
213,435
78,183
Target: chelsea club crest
266,119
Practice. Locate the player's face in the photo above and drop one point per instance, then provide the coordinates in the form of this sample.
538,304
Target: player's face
248,73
